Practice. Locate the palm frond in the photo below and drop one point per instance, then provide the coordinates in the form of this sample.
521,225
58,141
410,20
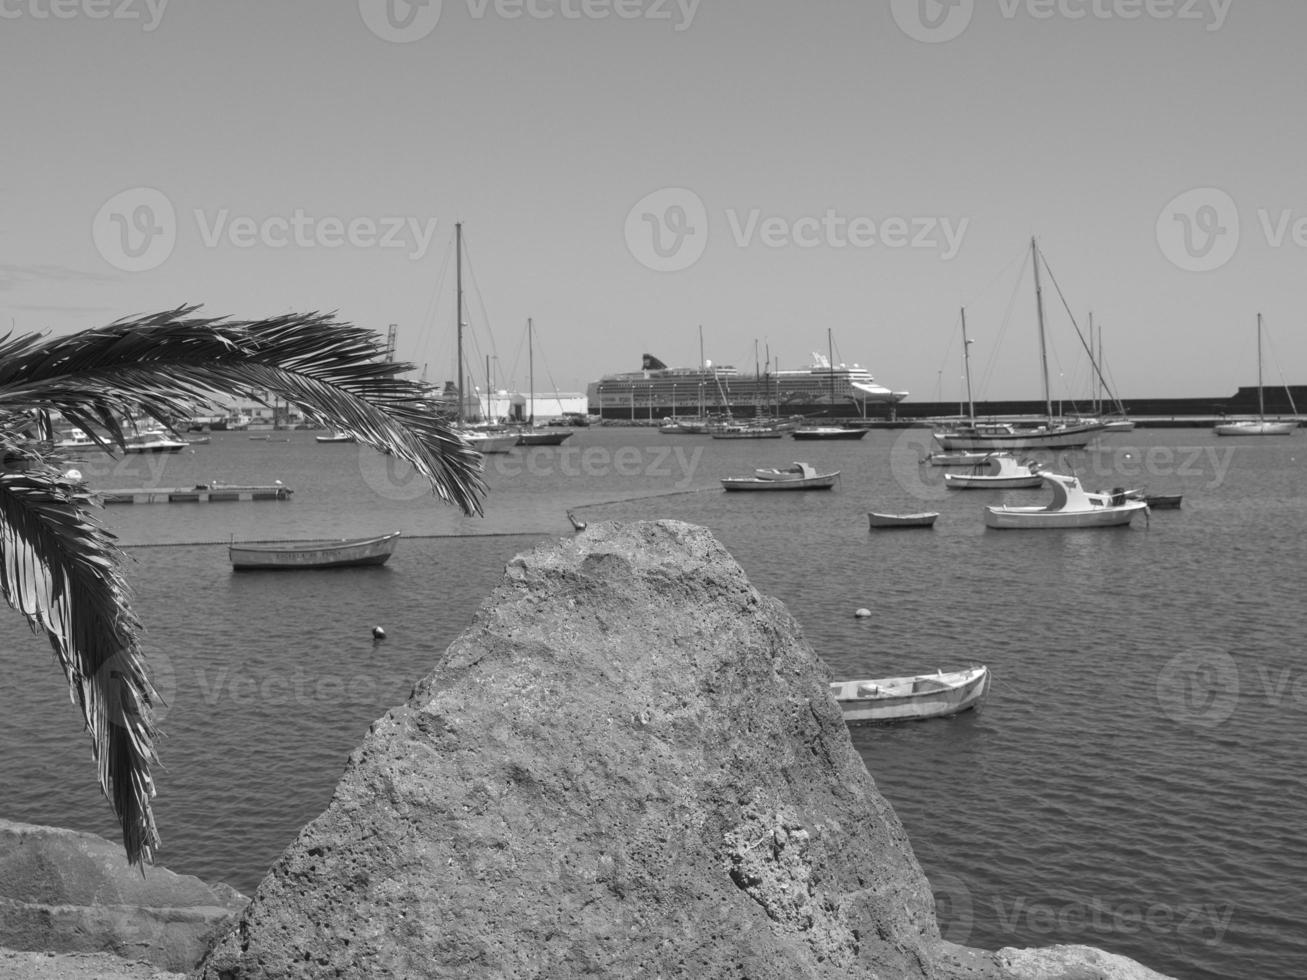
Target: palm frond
61,570
163,364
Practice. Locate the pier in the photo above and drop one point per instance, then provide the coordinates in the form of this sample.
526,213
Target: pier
202,493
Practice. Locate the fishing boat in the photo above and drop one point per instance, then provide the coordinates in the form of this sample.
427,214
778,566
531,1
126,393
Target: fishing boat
1158,501
921,696
960,458
336,553
923,519
1072,506
998,434
828,432
801,476
999,471
1259,426
334,436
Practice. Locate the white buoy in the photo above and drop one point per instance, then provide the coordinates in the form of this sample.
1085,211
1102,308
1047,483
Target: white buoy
74,475
862,613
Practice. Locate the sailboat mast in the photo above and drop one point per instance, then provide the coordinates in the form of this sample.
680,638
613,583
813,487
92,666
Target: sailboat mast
458,280
966,367
830,365
487,387
530,375
1261,404
1043,345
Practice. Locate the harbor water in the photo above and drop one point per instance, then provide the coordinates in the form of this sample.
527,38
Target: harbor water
1136,780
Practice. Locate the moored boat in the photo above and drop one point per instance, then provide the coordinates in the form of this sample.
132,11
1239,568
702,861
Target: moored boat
800,476
881,520
1072,506
920,696
999,471
337,553
334,436
828,432
1260,426
153,441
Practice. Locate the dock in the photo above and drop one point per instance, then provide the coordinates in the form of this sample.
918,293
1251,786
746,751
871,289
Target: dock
201,493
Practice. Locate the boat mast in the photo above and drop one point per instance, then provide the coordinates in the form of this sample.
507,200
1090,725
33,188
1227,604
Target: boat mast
530,375
1043,346
458,279
966,366
487,388
701,372
1261,404
830,365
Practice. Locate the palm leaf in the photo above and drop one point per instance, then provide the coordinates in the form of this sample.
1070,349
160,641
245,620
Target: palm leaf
165,364
61,569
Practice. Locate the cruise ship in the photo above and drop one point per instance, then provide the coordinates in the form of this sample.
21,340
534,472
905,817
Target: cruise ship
821,390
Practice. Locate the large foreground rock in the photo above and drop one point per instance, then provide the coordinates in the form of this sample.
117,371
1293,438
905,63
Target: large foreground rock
629,765
70,892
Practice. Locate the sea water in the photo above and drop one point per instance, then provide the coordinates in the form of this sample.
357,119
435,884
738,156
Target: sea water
1136,779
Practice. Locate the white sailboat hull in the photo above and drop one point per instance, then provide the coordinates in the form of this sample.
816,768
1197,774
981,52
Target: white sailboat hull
1256,428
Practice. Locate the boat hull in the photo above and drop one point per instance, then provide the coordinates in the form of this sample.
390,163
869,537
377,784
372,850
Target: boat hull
1038,517
823,482
880,521
1056,437
1255,428
291,555
544,437
962,481
811,434
916,698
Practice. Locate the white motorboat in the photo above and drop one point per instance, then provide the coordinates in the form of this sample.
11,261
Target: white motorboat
999,471
1072,506
800,476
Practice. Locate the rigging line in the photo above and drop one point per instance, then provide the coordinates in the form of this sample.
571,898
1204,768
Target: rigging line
992,360
428,326
1278,369
1088,350
485,313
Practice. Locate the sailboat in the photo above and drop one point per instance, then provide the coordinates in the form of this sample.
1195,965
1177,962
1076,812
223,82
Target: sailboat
829,431
483,441
1050,434
529,435
1258,426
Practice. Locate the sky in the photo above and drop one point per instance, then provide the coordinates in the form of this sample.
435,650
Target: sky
629,173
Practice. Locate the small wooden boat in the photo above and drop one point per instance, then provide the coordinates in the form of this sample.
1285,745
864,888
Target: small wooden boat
1072,506
936,695
924,519
338,553
999,471
800,476
746,432
960,458
334,436
1157,501
828,432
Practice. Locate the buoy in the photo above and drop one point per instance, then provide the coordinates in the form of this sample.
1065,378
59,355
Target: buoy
74,475
378,633
863,613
